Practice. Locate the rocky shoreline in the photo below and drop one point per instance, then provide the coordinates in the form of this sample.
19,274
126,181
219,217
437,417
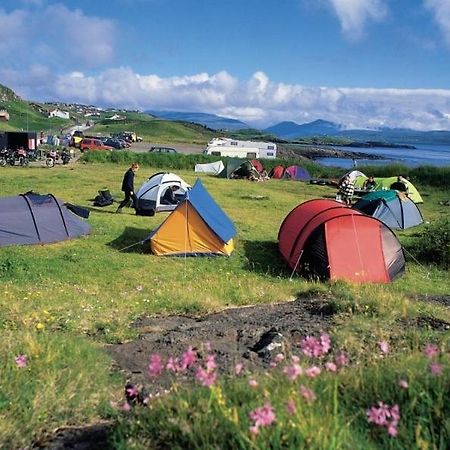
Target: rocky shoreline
313,153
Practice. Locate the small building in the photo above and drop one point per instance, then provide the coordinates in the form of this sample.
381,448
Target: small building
4,116
59,113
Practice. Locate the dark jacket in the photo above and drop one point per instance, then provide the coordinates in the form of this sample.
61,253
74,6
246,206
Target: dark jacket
128,181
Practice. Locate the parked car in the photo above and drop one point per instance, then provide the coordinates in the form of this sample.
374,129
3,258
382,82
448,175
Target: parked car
93,144
162,150
116,143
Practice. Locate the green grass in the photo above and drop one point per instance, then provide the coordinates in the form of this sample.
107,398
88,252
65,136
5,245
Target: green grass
59,303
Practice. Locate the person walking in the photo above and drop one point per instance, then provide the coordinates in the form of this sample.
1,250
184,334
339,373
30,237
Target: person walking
128,187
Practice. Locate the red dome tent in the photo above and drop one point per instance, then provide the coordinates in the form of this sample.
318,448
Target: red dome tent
326,239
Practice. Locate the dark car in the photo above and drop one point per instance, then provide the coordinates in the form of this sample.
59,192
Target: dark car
162,150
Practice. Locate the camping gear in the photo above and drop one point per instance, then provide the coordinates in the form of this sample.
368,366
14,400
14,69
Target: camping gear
393,208
257,165
325,239
104,198
213,168
37,219
277,172
197,227
297,173
150,193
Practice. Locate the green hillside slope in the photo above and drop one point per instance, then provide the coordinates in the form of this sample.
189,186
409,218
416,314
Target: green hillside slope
25,115
151,129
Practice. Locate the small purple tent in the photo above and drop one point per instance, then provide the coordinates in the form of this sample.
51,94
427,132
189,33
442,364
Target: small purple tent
37,219
297,173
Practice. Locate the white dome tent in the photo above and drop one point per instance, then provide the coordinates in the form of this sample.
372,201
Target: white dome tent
150,193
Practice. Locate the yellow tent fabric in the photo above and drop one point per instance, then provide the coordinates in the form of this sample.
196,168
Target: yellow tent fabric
385,183
185,232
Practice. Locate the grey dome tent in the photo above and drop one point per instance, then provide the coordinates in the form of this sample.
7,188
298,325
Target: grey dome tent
393,208
38,219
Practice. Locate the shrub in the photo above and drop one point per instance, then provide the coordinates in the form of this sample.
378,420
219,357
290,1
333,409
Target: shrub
432,245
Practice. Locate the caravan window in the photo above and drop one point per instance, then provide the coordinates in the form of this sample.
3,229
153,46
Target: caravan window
216,154
269,153
270,147
233,143
251,155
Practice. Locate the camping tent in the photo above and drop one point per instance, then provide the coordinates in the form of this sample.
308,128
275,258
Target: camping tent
257,165
326,239
197,227
386,183
393,208
214,168
354,174
150,193
237,168
37,219
277,172
297,173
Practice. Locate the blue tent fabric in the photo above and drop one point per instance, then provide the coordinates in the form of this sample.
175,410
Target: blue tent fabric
211,212
396,211
297,173
37,219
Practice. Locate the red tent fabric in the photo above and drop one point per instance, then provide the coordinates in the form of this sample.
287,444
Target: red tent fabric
277,172
257,165
326,239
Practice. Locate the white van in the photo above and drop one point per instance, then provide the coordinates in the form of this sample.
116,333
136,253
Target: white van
265,149
233,152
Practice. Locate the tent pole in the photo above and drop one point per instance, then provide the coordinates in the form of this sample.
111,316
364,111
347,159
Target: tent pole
296,264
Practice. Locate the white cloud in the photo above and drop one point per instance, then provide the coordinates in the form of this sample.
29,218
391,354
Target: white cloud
57,35
441,12
257,101
353,15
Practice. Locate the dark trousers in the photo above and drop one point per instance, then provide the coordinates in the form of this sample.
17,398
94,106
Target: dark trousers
126,200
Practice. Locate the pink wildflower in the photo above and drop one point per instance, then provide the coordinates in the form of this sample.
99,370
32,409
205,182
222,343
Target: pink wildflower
403,384
295,359
132,391
325,341
311,347
308,394
385,416
21,361
341,359
253,383
205,377
125,406
155,366
384,346
238,368
313,371
210,362
435,369
291,407
431,350
293,371
188,358
173,365
278,358
264,416
254,430
330,366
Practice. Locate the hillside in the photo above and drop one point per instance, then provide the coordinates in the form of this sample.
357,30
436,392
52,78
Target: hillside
25,115
151,129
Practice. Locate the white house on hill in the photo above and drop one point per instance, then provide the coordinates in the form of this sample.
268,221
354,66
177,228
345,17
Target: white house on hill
4,116
59,113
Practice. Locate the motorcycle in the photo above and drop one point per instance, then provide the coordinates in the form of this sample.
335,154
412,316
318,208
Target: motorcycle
53,157
20,156
4,157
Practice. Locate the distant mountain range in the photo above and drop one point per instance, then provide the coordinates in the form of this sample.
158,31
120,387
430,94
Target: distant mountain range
208,120
292,130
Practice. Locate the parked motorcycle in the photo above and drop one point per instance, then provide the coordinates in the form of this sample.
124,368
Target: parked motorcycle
53,157
4,157
19,156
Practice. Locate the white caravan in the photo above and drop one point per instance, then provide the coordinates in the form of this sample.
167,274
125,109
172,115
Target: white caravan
262,149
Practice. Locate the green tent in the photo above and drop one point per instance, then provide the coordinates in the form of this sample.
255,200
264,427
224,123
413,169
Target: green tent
236,168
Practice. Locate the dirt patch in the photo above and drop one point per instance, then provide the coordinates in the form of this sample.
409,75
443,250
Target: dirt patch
253,335
441,299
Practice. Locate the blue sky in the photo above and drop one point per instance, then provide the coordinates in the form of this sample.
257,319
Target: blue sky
361,63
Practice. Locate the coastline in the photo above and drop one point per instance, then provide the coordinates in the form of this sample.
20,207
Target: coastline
313,153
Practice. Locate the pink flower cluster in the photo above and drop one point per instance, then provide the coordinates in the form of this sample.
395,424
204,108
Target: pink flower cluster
315,348
21,361
385,416
262,417
432,351
176,365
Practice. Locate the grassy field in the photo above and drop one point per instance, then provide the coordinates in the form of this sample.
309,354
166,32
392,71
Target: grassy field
60,303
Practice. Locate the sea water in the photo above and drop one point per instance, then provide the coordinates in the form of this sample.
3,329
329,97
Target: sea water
422,155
